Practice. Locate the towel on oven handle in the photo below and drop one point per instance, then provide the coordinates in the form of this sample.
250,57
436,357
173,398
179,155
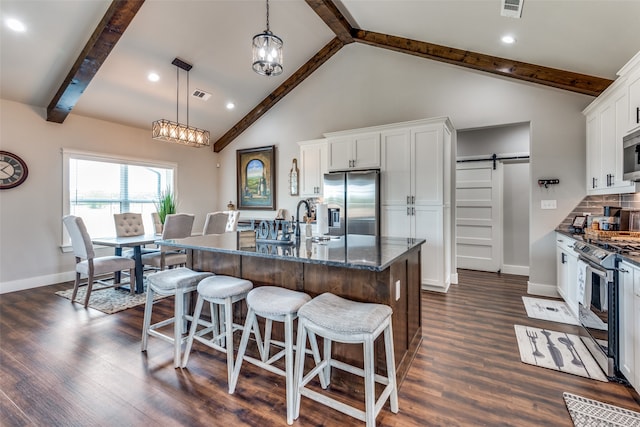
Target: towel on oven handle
582,282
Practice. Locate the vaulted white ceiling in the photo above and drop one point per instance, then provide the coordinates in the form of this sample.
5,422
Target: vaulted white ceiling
589,37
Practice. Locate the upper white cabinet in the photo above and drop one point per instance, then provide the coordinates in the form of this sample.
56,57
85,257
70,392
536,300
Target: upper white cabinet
352,151
606,125
609,119
313,166
630,80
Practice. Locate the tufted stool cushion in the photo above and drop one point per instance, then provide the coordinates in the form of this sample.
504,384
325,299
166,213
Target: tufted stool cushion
219,287
176,278
270,301
341,315
179,282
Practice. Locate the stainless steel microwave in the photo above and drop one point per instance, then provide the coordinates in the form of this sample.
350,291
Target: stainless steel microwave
631,156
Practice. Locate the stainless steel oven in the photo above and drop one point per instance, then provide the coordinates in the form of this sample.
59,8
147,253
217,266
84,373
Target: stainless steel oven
598,304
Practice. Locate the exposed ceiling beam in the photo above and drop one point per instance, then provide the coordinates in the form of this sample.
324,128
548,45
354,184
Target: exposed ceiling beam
567,80
280,92
329,13
102,41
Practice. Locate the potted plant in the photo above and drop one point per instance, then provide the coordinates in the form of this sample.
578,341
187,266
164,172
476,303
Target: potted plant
165,205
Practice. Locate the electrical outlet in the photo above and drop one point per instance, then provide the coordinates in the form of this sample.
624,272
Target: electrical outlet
397,290
548,204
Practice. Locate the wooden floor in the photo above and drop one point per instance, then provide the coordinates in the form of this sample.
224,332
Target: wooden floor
63,365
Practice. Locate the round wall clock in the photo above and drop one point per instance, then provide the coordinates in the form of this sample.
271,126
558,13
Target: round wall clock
13,170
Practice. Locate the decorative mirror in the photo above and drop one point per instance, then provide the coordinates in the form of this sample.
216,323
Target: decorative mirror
293,178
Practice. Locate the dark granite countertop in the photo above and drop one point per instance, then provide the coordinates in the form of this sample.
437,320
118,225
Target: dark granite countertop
633,259
351,251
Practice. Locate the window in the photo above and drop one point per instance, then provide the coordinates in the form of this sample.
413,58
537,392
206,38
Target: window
97,186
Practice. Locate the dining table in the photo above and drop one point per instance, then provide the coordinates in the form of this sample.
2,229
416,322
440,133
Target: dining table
135,242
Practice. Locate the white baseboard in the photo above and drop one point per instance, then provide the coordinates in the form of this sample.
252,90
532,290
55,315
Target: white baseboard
36,282
542,290
435,288
454,279
519,270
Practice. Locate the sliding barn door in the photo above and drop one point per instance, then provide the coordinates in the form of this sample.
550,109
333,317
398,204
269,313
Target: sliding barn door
479,216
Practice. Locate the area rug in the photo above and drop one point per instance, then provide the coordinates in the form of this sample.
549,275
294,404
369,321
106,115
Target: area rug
589,413
547,309
557,350
110,300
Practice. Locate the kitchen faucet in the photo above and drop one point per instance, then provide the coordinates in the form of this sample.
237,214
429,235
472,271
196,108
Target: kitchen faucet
297,222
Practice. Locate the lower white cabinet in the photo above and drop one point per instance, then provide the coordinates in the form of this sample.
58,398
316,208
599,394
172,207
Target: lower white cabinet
424,222
567,271
629,322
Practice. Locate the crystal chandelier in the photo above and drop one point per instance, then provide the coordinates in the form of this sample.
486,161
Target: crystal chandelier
267,52
165,130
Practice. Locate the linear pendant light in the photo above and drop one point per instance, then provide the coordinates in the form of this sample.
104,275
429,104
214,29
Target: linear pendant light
165,130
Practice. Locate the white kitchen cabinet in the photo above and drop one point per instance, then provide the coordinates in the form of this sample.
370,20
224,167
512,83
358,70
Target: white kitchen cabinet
607,122
313,166
567,271
629,80
629,322
353,151
416,173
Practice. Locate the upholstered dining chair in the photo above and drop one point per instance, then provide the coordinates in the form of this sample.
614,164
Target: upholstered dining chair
232,222
91,266
176,226
216,223
130,224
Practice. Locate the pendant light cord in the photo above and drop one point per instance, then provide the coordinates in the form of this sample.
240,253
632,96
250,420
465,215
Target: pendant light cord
267,16
177,92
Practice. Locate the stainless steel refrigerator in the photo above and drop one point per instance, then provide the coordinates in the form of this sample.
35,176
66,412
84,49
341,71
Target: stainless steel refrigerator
353,201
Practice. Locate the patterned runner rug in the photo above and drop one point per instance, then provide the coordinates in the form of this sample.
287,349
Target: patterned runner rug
587,413
557,350
548,309
108,301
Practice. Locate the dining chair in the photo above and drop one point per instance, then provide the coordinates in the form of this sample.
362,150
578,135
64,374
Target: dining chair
91,266
130,224
157,222
232,222
216,223
176,226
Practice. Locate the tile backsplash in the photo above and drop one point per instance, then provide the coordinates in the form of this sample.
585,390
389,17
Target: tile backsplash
595,205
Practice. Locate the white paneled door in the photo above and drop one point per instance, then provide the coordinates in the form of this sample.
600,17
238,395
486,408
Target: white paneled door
479,216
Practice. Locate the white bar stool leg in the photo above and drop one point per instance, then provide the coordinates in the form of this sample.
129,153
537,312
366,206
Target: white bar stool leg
192,331
146,323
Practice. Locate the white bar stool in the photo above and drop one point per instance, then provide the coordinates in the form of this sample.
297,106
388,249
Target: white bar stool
178,282
279,304
219,291
338,319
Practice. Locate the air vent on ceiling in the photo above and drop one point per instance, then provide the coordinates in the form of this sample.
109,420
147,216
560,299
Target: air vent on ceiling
511,8
200,94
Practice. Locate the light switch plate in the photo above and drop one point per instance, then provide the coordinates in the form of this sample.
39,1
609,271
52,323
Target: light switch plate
548,204
397,290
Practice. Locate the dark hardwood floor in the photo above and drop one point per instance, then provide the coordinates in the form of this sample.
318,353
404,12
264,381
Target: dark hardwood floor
62,365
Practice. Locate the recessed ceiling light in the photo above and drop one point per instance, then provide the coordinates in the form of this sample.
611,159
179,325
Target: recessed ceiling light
230,105
16,25
153,77
508,39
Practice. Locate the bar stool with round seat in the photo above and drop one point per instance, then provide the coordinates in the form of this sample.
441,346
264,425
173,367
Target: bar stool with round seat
179,282
218,291
273,304
339,319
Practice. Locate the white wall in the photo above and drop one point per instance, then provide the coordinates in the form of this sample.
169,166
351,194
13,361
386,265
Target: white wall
516,188
365,86
360,86
31,214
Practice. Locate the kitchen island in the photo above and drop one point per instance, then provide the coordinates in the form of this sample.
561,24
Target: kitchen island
382,270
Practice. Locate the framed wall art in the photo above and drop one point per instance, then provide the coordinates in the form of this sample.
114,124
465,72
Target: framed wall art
256,180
